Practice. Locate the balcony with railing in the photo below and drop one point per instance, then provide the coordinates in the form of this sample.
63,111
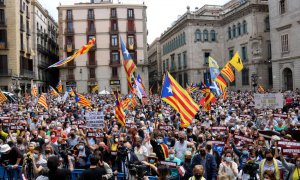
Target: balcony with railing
90,31
69,31
70,77
92,77
91,64
91,16
27,73
115,63
43,64
5,72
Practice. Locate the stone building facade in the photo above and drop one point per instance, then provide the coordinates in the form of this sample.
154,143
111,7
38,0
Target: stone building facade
154,65
103,64
220,31
285,38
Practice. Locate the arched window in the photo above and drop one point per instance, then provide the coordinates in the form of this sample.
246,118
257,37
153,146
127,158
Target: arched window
267,23
213,35
183,37
233,31
244,27
198,35
239,29
229,32
205,35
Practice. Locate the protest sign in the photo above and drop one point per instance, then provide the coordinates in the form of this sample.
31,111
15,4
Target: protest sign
242,138
217,143
94,120
165,127
268,100
95,135
219,128
169,164
290,147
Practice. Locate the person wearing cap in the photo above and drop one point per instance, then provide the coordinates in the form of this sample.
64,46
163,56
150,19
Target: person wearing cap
187,165
10,156
82,154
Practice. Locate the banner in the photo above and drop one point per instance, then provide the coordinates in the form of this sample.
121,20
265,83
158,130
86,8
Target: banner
268,100
290,147
219,128
94,120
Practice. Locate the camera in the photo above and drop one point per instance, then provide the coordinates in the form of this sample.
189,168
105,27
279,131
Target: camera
251,168
28,159
138,170
122,151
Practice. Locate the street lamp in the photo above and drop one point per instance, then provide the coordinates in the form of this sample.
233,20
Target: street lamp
254,78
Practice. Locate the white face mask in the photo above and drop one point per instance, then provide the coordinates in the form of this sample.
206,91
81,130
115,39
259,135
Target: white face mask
46,141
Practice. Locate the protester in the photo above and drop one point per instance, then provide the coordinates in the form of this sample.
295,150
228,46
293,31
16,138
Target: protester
232,136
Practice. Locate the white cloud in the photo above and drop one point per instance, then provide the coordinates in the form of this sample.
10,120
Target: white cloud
160,13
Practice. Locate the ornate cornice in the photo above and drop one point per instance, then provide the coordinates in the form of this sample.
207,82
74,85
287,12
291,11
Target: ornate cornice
284,27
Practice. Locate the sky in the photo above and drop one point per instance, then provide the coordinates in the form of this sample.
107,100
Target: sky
160,13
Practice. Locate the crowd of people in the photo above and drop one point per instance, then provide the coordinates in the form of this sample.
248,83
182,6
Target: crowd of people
231,141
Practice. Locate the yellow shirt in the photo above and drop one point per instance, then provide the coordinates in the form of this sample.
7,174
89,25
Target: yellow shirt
296,174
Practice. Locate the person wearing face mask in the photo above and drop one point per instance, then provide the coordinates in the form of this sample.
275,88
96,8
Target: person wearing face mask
198,173
73,138
140,150
270,163
293,169
172,158
38,161
181,145
228,166
159,148
82,154
187,166
36,138
208,162
243,154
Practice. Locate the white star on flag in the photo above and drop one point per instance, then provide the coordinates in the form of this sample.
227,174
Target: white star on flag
169,89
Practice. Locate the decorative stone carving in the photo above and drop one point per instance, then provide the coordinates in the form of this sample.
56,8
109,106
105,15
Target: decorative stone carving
256,48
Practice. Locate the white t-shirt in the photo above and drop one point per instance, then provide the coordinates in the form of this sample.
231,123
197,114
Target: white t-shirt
180,149
141,153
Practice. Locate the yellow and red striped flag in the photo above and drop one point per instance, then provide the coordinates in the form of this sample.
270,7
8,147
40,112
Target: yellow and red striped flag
81,100
125,103
222,84
84,49
179,99
227,71
34,91
43,101
120,115
260,89
53,91
59,87
3,98
129,65
207,100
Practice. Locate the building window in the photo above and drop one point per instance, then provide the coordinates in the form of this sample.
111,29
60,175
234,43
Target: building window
284,43
91,14
27,11
3,64
213,35
244,27
173,66
282,6
90,37
115,57
92,58
113,12
114,71
92,73
229,32
183,37
69,14
91,26
180,79
244,53
198,35
206,56
164,66
233,31
114,40
245,77
205,35
184,57
1,2
167,65
267,23
270,76
269,50
70,27
3,39
179,60
114,25
130,41
130,13
239,29
185,78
